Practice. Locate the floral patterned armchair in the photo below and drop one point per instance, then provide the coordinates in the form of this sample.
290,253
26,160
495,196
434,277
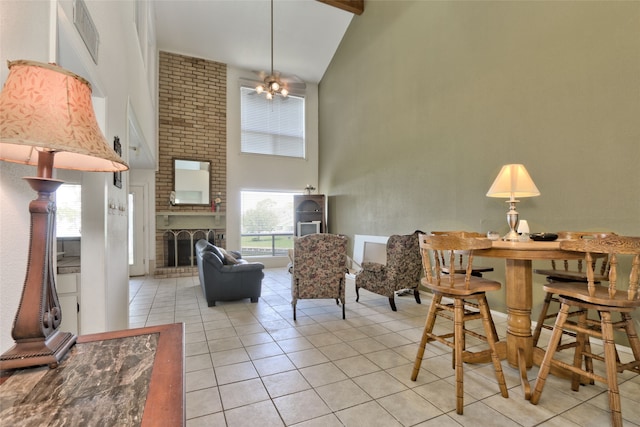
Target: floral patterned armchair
402,270
319,267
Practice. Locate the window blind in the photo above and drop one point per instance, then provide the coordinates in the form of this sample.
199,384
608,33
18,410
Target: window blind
273,127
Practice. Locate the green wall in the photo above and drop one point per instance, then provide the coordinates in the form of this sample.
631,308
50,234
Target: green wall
424,101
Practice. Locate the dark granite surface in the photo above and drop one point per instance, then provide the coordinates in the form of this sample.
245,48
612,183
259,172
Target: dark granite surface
101,383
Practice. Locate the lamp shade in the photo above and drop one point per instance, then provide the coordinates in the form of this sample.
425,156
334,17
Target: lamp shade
513,181
45,108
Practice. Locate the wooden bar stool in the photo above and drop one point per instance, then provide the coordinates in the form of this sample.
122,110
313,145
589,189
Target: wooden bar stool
606,300
563,271
459,288
460,267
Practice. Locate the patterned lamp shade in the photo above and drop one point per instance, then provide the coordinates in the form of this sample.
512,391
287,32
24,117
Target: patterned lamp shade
45,108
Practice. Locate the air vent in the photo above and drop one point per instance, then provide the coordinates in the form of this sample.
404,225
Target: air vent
86,28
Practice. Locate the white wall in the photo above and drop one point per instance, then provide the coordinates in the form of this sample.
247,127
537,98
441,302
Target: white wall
30,18
253,172
28,31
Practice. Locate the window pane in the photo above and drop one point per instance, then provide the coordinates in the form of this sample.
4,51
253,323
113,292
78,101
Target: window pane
274,127
68,210
267,223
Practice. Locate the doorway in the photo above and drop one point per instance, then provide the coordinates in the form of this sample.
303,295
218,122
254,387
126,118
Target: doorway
137,231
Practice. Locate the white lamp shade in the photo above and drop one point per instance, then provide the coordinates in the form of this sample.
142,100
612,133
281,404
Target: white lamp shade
44,107
513,181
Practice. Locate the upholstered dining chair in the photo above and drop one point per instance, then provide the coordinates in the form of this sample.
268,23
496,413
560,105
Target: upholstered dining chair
319,268
623,252
460,288
402,270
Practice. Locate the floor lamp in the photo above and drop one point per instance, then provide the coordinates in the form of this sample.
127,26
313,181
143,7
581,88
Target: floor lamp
46,120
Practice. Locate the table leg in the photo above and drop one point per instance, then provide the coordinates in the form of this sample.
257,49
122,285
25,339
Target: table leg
519,296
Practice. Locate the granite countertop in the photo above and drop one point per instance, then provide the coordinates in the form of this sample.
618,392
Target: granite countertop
98,383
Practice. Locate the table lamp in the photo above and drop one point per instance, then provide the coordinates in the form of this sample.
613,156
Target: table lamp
46,120
513,181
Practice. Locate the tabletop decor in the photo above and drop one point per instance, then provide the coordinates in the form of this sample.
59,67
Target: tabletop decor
513,181
47,120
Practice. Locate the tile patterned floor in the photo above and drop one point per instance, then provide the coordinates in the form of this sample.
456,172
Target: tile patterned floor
250,364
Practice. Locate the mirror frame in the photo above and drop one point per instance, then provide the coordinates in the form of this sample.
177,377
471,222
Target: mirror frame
174,190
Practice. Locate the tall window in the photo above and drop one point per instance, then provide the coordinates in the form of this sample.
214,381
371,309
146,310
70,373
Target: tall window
267,223
68,210
274,127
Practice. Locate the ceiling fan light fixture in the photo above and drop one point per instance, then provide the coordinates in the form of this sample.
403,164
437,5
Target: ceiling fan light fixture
272,84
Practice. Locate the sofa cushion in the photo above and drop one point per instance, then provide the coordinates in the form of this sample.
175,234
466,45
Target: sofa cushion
216,250
228,258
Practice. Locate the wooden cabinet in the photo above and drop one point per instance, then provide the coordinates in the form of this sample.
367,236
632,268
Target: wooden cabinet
308,208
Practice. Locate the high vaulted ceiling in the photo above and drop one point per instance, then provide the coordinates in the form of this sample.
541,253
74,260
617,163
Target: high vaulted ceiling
238,33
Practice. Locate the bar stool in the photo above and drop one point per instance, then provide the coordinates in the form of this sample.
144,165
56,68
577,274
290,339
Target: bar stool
459,288
606,300
568,273
460,267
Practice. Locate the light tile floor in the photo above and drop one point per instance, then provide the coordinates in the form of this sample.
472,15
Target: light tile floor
251,364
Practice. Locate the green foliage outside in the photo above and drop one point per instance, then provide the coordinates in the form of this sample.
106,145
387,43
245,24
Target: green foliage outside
281,242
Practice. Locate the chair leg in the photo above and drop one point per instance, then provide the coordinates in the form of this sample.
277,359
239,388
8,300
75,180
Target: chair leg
392,302
357,294
548,355
428,328
293,303
541,318
581,340
610,364
489,330
458,327
416,294
632,335
343,317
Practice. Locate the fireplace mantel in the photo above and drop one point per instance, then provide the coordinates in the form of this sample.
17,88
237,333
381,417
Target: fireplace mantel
190,220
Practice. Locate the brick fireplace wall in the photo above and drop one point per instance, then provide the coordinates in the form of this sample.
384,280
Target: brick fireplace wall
192,125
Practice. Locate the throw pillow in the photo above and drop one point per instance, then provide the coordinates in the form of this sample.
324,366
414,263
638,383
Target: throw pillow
228,258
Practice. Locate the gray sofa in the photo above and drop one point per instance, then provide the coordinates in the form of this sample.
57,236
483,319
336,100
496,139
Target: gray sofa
225,276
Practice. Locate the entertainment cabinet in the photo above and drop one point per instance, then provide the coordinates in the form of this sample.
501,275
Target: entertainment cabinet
307,208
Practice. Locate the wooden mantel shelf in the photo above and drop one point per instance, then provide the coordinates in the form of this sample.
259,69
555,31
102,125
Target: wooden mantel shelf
190,220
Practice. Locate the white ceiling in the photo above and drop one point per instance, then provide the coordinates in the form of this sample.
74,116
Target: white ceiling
237,32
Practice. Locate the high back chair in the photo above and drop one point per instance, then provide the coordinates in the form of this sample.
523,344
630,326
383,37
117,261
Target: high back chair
460,288
606,300
569,271
402,270
460,266
319,268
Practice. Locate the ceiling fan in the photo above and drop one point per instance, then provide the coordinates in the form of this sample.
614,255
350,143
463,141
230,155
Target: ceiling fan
274,83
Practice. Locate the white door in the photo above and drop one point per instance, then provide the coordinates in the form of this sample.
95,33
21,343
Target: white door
137,231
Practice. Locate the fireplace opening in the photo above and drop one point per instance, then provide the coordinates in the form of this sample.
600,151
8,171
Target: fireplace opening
180,248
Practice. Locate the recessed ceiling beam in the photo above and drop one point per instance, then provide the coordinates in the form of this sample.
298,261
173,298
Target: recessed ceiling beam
353,6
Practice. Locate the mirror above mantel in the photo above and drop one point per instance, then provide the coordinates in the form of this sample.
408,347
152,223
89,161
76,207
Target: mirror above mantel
191,182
